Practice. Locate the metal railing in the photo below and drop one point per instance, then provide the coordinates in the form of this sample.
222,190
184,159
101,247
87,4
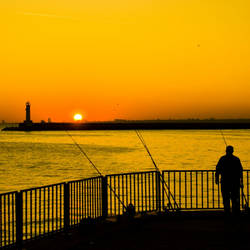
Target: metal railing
196,189
85,200
37,212
193,189
42,210
139,189
8,219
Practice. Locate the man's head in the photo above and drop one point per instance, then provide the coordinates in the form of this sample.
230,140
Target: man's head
229,150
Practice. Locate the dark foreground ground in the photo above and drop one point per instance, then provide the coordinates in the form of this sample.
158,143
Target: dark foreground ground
180,231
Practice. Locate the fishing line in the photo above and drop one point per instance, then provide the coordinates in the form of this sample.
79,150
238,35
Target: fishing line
158,170
223,137
97,170
83,152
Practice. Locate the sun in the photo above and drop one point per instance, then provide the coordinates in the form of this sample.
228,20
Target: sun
77,117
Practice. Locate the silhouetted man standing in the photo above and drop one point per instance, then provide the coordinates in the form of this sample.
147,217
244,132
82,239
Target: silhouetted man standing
230,169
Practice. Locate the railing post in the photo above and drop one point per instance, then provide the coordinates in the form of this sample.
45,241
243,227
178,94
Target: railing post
158,190
162,190
104,197
19,219
66,206
1,221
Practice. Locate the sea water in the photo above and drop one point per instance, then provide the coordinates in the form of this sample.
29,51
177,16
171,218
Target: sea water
32,159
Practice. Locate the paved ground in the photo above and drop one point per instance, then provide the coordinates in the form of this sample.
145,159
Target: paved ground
183,231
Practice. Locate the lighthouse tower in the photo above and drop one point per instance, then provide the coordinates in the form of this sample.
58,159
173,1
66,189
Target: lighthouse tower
27,109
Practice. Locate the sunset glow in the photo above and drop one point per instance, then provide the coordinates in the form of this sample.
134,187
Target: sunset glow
77,117
156,59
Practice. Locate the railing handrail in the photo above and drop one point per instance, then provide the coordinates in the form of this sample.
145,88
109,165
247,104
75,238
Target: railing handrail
11,192
85,179
50,185
192,170
41,187
131,173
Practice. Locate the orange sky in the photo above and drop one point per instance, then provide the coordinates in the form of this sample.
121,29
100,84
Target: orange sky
131,59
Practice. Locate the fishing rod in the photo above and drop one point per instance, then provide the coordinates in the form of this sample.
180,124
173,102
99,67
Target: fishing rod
158,170
145,146
96,169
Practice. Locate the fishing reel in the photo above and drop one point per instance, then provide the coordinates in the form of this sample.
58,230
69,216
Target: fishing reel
247,209
130,210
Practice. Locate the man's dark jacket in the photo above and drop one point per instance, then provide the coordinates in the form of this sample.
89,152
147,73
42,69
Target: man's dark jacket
230,169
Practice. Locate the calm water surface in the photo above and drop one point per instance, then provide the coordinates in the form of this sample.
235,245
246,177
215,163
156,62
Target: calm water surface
39,158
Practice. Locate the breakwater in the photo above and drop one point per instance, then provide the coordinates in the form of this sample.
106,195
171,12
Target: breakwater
132,125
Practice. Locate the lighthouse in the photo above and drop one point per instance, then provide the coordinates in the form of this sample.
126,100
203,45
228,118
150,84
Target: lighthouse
27,109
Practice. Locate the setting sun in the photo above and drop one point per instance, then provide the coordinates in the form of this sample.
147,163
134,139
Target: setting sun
77,117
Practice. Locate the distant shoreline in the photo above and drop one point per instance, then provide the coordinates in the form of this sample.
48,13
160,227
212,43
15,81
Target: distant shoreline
133,125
